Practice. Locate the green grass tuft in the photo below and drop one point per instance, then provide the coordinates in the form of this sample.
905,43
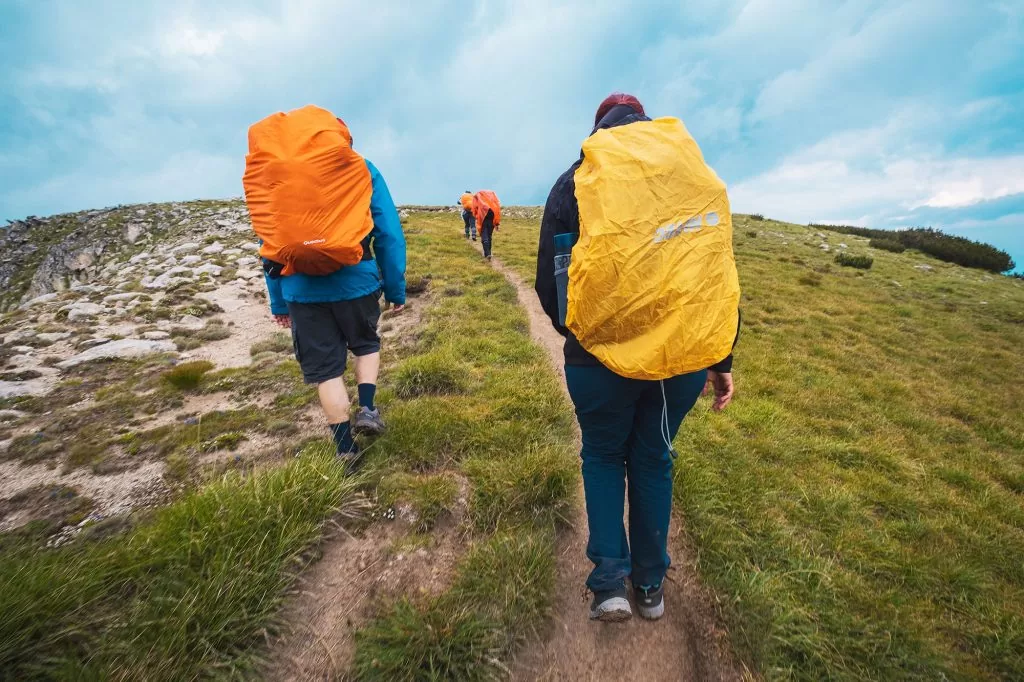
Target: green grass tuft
501,596
280,342
188,594
428,496
187,376
526,487
431,374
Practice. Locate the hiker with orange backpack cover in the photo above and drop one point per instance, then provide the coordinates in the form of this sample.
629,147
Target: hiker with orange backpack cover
466,201
487,212
331,242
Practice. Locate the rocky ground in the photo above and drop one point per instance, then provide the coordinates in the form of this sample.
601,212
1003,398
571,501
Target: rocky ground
101,319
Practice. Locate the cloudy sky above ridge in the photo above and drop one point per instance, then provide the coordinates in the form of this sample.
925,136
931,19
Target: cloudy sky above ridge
883,113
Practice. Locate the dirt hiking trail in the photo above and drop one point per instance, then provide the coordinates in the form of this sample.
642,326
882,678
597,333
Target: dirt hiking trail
686,644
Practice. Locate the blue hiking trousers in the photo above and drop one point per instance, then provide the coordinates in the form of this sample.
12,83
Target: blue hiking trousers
625,423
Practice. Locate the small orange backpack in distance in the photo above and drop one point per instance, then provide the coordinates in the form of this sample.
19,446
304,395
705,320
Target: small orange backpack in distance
483,201
308,191
467,202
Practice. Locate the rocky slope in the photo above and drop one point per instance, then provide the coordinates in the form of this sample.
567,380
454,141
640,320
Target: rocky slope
156,288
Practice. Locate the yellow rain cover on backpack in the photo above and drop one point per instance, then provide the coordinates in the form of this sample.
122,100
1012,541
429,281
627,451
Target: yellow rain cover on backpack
653,289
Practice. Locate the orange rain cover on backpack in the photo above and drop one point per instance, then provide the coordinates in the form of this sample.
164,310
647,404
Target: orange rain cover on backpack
482,201
308,191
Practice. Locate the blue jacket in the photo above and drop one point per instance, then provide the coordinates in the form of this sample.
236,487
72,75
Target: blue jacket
386,272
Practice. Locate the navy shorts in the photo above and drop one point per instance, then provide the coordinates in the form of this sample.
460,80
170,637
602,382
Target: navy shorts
323,333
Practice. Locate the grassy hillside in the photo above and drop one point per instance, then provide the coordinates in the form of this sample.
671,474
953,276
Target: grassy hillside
193,589
860,507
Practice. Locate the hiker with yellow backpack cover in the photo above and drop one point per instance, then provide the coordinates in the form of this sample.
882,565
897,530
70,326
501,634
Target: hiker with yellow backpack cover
331,243
635,268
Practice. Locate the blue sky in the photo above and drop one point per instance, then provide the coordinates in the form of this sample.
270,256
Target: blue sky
881,113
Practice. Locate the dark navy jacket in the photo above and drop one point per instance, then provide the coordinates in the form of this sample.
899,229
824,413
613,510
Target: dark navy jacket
562,215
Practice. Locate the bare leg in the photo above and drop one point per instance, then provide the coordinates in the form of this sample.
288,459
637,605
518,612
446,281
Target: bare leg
367,367
334,400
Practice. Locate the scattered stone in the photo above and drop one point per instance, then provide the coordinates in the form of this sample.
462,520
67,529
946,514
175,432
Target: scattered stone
167,280
7,416
191,322
92,343
246,261
88,288
138,258
825,247
843,246
209,269
250,246
232,252
121,297
54,337
187,247
125,348
156,335
45,298
896,284
20,335
249,274
213,248
84,310
924,268
822,235
17,389
191,260
133,231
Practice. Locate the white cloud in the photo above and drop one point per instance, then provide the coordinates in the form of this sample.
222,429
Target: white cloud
874,169
185,39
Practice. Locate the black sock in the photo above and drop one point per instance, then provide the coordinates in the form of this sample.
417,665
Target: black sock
343,437
367,392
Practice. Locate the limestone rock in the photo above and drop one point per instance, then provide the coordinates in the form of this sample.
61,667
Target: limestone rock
84,310
125,348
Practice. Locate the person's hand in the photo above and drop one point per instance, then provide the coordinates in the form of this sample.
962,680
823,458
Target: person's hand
397,308
284,321
721,384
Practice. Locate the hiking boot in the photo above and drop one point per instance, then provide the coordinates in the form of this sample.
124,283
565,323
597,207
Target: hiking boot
611,606
650,601
368,421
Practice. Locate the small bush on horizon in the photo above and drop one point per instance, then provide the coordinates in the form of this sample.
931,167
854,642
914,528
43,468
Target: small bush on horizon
887,245
757,216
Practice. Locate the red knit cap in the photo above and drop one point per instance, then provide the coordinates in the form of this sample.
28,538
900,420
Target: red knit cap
615,99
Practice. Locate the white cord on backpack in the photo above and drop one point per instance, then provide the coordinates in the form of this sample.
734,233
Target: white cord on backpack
666,430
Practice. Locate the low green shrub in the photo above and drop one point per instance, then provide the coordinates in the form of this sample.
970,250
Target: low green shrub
280,342
887,245
851,261
187,376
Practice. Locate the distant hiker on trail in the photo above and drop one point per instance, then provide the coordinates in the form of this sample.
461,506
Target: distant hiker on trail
331,243
635,268
487,212
466,200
